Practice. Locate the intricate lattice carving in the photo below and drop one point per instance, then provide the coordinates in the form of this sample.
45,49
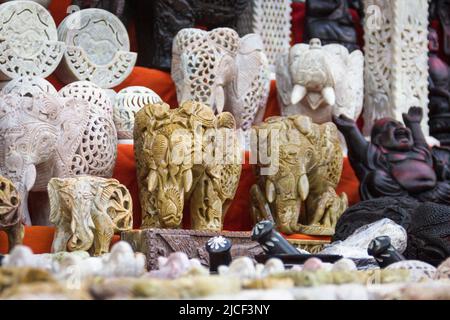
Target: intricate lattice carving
10,219
396,68
222,71
127,102
29,86
319,81
28,41
97,48
298,190
272,21
181,155
87,211
44,136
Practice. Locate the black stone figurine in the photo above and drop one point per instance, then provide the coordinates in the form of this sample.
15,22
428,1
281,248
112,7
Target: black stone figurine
427,225
272,242
158,22
384,252
440,9
331,22
219,250
439,92
397,162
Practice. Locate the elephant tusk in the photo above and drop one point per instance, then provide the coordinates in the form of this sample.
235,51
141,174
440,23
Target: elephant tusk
270,191
298,93
303,187
329,95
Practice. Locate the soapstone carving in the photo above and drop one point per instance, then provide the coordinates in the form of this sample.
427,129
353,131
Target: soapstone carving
127,102
177,265
419,270
10,218
320,81
98,49
427,225
331,22
396,60
439,87
29,86
43,137
384,252
443,271
223,71
177,162
397,162
29,43
271,19
87,212
159,21
297,183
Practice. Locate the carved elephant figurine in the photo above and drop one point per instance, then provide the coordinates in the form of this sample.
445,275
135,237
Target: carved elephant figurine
10,219
320,81
223,71
87,211
180,159
46,136
297,180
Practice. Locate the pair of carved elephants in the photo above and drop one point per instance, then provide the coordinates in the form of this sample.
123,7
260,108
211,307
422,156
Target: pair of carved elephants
298,168
47,136
87,211
186,155
223,71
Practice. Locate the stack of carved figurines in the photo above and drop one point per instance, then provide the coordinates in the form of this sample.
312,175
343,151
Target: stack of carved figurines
384,106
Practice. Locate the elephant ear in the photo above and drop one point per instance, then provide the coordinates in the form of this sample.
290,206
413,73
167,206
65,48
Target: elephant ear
53,188
119,205
284,79
253,78
184,39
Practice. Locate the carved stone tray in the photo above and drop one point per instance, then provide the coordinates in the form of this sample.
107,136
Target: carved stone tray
162,242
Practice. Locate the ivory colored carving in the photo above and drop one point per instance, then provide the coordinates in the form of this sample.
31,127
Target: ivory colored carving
29,86
271,19
10,219
396,59
29,43
320,81
223,71
43,137
87,211
186,155
297,181
126,103
98,48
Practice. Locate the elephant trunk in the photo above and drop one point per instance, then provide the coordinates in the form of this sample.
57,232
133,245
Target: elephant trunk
81,226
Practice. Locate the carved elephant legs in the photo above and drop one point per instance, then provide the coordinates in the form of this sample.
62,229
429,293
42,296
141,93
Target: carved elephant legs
206,207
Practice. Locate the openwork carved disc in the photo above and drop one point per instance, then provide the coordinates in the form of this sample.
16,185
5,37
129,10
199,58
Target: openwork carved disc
29,86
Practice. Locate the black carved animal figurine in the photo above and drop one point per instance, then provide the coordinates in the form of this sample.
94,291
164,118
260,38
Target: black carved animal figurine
397,162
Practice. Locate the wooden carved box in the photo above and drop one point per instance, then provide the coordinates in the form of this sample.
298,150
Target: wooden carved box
154,243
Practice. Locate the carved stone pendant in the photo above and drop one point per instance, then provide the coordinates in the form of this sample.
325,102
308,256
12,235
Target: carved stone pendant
87,212
98,49
126,104
10,218
297,184
186,155
29,43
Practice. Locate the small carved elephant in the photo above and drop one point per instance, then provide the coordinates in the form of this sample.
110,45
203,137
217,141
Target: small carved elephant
296,183
223,71
87,211
179,158
10,219
46,136
320,81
